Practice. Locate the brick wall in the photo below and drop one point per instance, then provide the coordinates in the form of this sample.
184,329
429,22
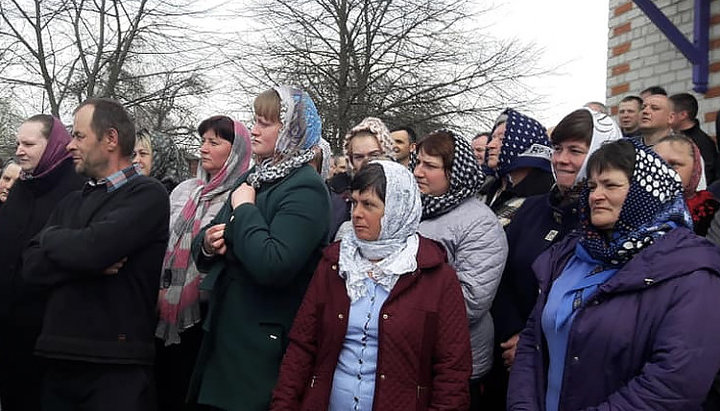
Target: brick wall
640,56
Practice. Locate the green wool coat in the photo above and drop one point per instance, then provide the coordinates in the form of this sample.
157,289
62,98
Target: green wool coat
274,246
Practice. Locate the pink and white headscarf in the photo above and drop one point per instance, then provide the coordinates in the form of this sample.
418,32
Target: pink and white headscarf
179,302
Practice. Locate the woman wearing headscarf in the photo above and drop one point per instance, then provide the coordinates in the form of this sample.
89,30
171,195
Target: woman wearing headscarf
684,157
367,140
260,252
540,222
225,156
47,175
383,325
159,157
449,177
519,153
628,315
322,159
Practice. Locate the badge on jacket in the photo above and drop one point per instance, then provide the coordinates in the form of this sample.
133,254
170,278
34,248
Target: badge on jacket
551,235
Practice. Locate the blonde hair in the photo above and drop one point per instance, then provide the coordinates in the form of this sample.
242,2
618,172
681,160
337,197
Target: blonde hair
267,104
143,139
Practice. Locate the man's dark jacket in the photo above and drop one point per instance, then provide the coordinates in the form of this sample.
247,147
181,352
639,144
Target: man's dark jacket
92,316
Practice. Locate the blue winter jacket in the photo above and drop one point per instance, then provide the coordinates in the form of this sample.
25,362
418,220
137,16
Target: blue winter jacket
648,340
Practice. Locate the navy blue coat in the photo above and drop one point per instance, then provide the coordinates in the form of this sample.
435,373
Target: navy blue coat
539,223
649,339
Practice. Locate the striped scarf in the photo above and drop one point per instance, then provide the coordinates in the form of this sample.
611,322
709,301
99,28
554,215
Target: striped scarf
179,302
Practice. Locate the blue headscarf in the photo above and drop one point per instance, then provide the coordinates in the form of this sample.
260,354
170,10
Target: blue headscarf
525,144
654,205
300,131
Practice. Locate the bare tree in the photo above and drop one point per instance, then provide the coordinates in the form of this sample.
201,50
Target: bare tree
10,120
141,52
418,62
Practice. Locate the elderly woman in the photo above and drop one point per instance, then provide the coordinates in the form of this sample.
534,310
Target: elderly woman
628,315
10,174
519,153
449,178
47,175
225,153
260,252
539,223
383,325
157,156
684,157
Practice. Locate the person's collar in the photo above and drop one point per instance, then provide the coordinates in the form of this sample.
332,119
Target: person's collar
117,179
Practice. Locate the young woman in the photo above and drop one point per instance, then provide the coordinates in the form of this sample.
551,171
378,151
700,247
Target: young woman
628,315
382,326
449,178
260,252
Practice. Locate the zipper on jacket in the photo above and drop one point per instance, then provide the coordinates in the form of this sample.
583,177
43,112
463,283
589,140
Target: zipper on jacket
420,389
312,382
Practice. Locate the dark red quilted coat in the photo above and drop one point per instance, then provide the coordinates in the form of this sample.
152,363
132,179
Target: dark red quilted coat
424,360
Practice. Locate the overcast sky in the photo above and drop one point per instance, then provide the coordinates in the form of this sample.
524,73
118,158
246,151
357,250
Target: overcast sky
573,34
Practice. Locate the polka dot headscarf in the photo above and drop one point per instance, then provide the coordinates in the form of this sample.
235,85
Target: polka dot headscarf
653,206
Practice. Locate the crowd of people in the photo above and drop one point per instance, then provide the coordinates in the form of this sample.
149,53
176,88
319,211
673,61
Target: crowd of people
526,268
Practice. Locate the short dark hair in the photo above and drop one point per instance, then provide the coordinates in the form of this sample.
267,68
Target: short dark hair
110,114
577,125
370,177
47,122
634,98
654,90
619,154
440,143
223,126
685,102
409,130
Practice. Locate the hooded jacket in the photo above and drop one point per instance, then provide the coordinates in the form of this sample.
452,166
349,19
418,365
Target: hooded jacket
649,336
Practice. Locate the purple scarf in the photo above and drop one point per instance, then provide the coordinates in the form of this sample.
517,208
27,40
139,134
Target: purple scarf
54,153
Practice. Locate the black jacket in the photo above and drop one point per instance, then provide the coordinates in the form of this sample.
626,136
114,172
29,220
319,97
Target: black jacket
23,215
707,150
91,316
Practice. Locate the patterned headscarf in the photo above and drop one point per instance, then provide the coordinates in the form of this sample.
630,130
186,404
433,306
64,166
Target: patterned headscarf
55,152
398,243
466,177
326,159
300,131
168,164
654,204
179,299
377,128
525,144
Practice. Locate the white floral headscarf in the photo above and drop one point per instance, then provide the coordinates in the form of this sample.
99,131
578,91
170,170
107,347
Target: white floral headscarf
398,243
